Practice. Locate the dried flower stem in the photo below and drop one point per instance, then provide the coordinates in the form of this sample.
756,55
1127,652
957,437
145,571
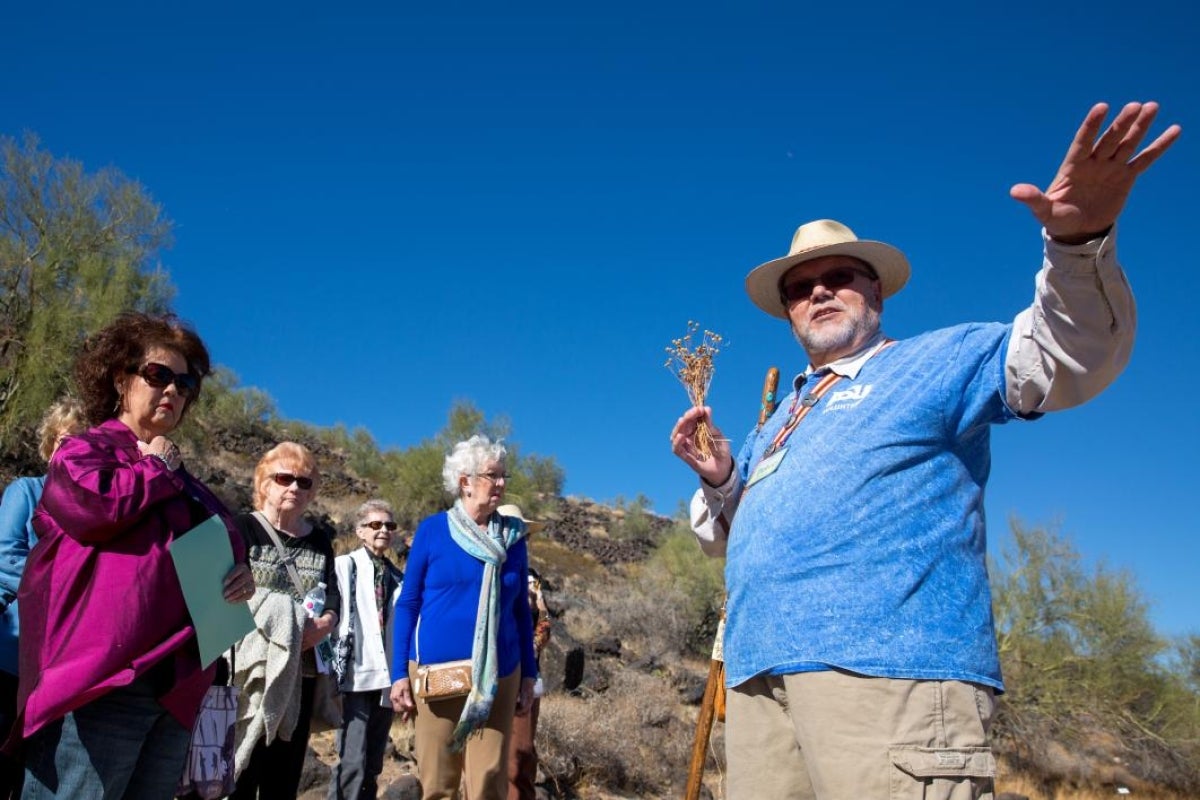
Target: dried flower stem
694,368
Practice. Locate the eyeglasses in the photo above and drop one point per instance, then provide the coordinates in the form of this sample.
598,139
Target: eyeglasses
160,376
835,278
492,477
376,524
287,479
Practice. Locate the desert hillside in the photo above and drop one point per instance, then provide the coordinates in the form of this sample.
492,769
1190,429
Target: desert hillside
634,608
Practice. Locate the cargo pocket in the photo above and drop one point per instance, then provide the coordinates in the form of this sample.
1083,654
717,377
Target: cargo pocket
948,773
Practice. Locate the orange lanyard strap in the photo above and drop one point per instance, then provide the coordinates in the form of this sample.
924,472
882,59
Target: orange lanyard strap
799,410
802,405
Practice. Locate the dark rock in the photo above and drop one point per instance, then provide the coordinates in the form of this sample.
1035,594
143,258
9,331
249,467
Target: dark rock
692,693
406,787
645,664
606,646
314,773
573,669
583,526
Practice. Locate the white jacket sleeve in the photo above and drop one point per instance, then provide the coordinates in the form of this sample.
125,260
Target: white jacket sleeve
1077,336
341,568
711,512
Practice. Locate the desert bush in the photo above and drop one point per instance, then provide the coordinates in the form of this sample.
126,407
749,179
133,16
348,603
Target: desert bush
225,413
576,605
642,604
666,606
633,522
412,478
698,578
631,738
1084,668
76,249
534,482
1181,706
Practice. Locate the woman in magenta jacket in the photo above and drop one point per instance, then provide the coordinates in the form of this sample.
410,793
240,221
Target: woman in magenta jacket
110,673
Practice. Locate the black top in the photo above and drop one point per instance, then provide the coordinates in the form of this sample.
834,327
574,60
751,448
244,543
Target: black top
312,555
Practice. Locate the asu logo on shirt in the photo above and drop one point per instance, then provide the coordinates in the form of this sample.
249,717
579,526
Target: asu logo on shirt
847,398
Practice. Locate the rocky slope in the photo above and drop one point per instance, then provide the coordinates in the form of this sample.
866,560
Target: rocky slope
622,696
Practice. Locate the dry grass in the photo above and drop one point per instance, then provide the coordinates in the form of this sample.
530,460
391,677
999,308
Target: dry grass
644,609
626,733
626,739
583,621
1030,786
694,365
552,558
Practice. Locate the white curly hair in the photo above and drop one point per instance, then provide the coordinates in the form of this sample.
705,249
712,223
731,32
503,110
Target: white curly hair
468,458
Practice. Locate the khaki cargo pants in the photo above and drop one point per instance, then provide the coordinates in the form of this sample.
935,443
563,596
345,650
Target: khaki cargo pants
833,735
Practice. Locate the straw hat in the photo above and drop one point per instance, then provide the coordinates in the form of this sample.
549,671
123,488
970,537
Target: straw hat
511,510
825,237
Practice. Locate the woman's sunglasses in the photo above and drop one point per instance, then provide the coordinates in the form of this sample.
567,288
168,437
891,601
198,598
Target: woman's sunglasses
160,376
287,479
376,524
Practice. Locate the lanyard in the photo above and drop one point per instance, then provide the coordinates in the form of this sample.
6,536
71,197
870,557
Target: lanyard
802,405
799,410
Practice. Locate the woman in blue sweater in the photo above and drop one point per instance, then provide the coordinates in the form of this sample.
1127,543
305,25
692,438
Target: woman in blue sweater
464,597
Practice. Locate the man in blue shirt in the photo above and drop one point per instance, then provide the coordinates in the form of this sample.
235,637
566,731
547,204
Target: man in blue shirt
859,646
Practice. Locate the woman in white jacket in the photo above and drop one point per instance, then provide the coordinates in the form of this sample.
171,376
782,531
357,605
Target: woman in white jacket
369,585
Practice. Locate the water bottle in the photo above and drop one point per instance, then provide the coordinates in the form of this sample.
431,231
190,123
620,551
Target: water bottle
314,606
314,601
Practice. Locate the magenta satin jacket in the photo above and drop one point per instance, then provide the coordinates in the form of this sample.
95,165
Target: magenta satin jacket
100,603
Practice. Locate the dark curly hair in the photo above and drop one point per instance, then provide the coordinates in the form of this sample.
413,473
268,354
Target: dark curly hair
119,348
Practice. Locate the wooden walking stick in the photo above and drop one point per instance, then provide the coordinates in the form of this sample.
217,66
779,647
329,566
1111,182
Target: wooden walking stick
716,666
770,396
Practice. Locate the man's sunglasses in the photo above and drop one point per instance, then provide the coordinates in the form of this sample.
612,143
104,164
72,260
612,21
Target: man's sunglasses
376,524
160,376
835,278
287,479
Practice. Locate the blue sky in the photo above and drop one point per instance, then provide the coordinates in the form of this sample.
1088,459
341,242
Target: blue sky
381,209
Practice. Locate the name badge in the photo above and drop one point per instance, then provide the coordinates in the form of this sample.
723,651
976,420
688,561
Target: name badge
766,467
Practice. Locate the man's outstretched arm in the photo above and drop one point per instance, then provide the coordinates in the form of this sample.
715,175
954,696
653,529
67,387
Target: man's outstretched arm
1077,336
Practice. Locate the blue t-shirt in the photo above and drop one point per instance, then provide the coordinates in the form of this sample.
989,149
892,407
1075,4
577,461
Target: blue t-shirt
865,549
439,600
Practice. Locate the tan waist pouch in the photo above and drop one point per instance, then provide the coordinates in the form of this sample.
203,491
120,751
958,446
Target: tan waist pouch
445,680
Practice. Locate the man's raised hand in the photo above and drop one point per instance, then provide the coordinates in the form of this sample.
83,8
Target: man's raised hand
1091,187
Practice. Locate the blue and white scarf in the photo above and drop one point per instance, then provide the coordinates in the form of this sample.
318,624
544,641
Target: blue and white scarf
489,545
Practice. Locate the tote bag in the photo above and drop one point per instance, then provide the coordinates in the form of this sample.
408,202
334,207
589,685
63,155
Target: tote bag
208,772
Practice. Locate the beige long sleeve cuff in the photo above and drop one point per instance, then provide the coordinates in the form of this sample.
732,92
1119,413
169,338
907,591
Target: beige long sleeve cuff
1077,336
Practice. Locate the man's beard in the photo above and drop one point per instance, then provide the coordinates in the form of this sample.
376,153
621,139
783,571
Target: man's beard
844,338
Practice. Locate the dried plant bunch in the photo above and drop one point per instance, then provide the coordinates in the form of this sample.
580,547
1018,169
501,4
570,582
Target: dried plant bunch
693,364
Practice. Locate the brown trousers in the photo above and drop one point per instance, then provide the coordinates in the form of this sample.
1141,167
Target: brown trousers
481,766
